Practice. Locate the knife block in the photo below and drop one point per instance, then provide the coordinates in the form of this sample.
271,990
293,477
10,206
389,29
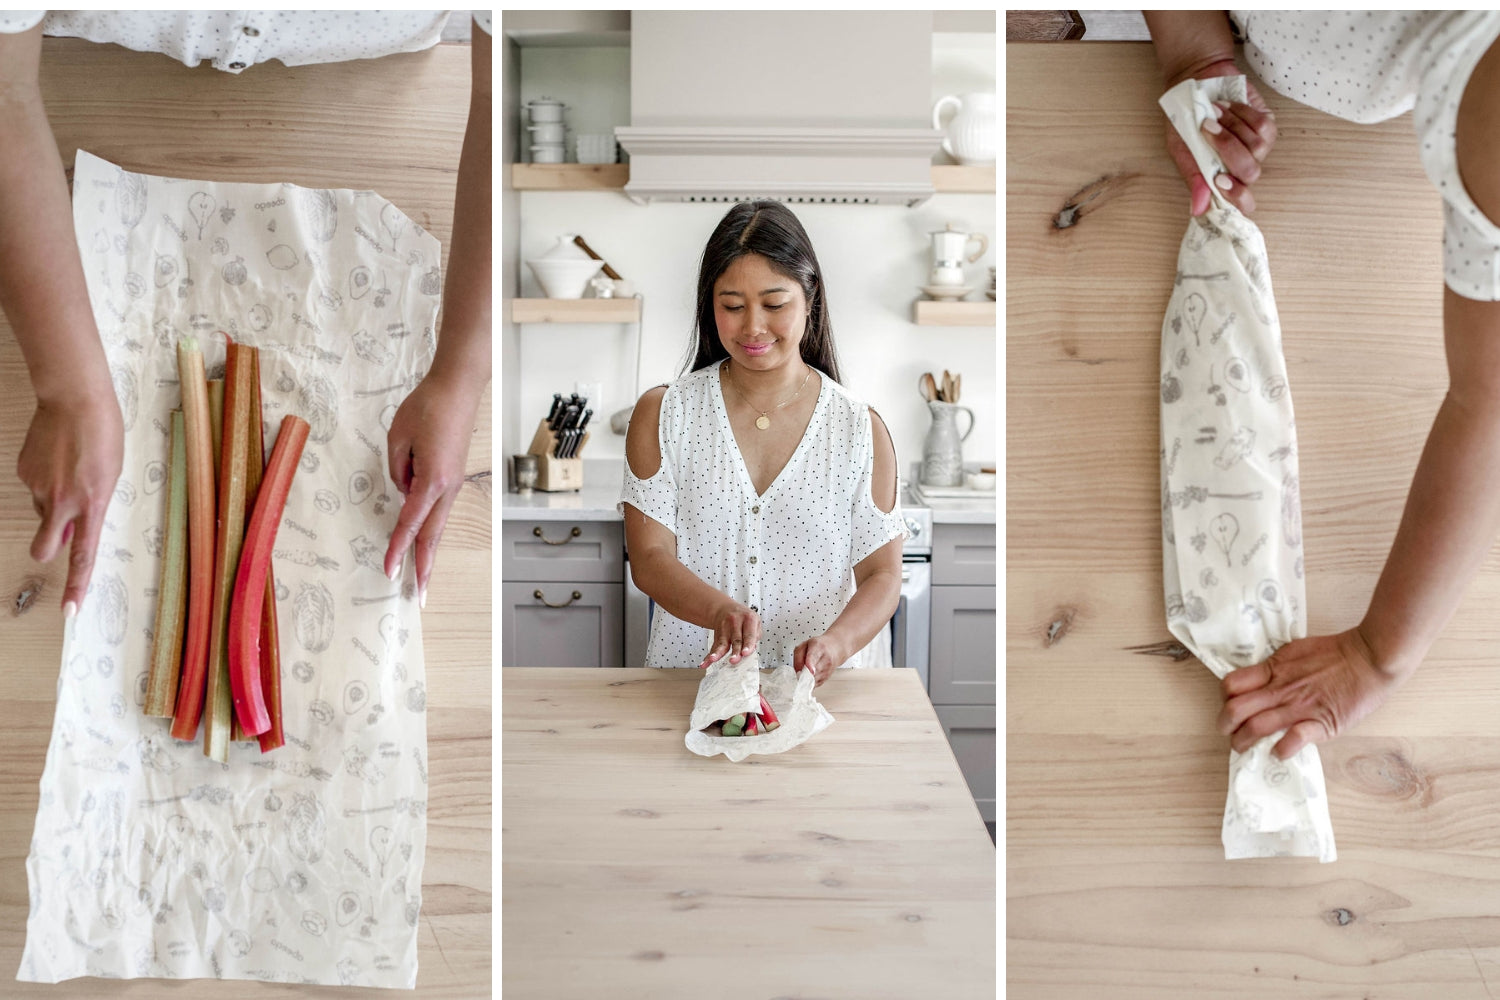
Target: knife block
555,475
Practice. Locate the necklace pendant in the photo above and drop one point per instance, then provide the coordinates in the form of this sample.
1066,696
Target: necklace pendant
762,421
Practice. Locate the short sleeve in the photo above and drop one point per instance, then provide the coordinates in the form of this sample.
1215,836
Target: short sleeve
655,497
872,527
485,20
13,22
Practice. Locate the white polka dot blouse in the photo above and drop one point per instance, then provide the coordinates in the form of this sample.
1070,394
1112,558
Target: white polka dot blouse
234,40
790,552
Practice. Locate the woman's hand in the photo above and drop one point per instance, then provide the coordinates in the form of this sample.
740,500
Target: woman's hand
428,445
820,654
1242,136
71,461
1314,688
736,632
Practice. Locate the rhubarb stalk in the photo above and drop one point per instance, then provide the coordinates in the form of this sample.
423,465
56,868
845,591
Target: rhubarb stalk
255,464
197,432
270,646
768,716
236,443
250,583
171,592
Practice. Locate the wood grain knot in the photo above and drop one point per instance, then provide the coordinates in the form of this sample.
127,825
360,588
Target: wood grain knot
26,596
649,956
1339,916
1389,774
833,883
1089,199
601,725
639,813
1171,649
1060,625
484,482
826,838
912,918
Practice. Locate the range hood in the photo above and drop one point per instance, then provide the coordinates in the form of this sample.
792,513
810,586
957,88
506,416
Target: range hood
828,107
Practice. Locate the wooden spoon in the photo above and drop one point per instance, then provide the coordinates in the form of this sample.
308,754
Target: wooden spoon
928,387
958,382
947,386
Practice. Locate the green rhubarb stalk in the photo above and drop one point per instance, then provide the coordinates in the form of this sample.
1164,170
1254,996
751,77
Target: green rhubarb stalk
197,437
218,704
250,582
171,591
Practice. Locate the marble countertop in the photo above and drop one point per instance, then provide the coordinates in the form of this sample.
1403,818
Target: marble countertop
602,478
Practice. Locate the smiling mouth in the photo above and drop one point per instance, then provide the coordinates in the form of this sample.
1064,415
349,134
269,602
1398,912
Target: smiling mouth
756,348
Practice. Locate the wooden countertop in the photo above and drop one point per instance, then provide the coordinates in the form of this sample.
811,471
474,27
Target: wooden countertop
1117,884
394,125
853,866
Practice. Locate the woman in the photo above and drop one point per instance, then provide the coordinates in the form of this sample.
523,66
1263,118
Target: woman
760,496
1367,66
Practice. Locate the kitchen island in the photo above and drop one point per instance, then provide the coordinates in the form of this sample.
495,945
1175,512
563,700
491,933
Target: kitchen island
394,125
855,865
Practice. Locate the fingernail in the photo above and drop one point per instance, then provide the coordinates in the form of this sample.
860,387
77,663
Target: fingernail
1224,181
394,573
422,597
1212,127
70,610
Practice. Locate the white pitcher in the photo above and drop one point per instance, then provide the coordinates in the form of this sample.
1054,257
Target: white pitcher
970,135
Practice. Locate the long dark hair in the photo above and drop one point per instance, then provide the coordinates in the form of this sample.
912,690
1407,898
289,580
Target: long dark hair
770,229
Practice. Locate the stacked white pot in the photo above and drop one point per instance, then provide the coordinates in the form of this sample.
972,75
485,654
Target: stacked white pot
548,131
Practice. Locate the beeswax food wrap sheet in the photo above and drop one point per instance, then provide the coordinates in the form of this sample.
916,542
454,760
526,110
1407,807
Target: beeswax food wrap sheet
302,865
727,689
1231,514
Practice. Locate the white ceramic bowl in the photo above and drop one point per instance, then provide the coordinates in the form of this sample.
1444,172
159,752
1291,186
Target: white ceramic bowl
564,279
596,148
549,153
981,481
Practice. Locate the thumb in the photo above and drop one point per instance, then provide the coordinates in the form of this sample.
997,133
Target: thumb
799,656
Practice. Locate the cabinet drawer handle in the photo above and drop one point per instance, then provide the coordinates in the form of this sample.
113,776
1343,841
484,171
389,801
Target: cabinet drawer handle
537,531
541,597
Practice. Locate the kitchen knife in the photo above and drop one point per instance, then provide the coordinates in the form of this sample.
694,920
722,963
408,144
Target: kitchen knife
556,405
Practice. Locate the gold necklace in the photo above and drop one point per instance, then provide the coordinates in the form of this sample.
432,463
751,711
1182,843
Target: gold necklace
764,420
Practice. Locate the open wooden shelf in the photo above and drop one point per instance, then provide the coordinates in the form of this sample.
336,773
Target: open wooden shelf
613,176
929,312
575,310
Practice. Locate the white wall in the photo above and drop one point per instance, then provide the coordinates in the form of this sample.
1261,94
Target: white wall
873,258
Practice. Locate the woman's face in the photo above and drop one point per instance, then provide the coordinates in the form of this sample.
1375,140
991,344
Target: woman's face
761,314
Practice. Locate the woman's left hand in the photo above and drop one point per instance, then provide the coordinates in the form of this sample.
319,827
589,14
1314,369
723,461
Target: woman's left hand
820,654
429,443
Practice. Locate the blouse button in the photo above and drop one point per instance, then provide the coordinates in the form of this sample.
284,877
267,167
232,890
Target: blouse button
252,32
236,65
752,560
755,509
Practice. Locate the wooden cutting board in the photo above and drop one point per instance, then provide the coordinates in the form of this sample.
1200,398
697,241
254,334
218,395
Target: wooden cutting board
394,125
854,865
1116,777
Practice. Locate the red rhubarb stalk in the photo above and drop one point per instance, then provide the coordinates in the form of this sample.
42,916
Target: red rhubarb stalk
197,432
270,647
750,724
767,716
255,464
236,443
250,584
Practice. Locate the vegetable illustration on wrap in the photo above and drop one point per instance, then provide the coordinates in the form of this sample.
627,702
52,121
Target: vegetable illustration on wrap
1229,477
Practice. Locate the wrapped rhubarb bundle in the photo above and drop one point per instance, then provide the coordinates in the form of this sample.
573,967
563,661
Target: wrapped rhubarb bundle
790,715
1231,514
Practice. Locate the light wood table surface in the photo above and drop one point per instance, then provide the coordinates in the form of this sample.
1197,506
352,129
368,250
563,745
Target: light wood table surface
852,867
394,125
1117,886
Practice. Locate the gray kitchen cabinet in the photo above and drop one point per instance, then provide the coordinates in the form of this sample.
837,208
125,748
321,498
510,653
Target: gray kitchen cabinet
962,650
971,733
563,594
963,653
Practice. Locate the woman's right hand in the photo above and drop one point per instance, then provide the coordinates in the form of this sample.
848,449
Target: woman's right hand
1244,137
71,462
736,632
